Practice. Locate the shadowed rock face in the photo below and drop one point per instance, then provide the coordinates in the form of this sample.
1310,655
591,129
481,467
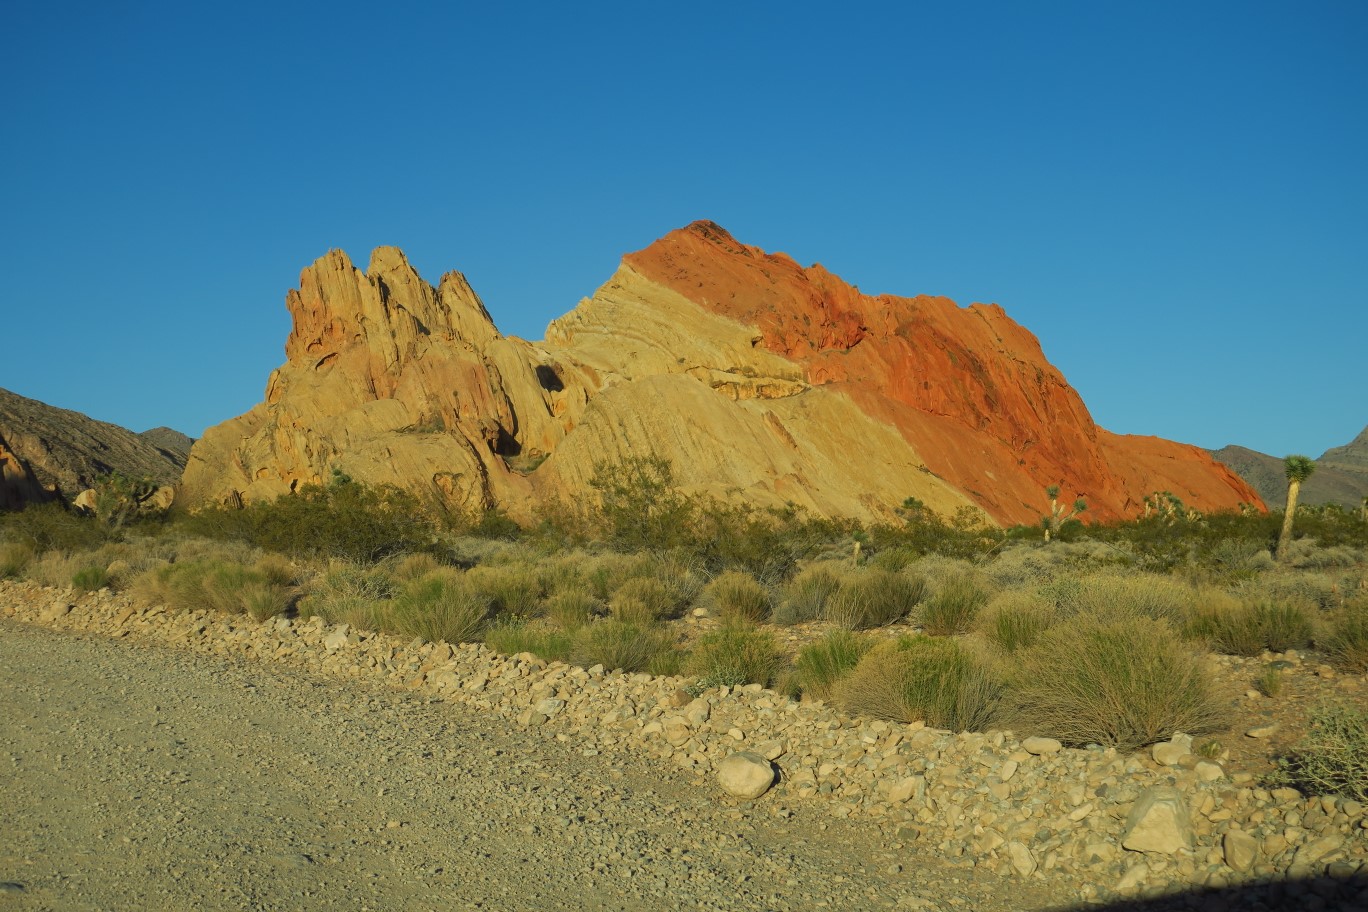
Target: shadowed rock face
755,377
48,452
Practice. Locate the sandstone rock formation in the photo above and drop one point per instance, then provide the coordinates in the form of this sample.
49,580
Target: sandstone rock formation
48,452
756,378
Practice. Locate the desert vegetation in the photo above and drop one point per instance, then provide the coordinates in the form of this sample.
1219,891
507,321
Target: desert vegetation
1100,634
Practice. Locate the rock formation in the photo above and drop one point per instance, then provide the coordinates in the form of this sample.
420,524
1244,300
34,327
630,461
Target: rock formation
755,377
48,452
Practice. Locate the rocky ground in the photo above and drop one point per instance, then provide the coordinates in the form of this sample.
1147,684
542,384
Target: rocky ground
195,760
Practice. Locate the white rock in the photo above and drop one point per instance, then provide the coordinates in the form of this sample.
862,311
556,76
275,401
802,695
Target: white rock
746,775
1158,822
1040,746
1241,849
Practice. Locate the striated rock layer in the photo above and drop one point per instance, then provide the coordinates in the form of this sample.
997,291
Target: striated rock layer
757,378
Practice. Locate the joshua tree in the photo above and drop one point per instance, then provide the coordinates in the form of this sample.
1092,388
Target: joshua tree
1297,469
1057,515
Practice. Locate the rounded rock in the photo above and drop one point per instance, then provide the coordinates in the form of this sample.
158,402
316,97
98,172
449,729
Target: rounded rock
746,775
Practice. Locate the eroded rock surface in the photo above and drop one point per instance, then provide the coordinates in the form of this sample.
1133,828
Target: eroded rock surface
756,378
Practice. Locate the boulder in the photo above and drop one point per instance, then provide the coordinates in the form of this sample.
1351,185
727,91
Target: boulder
746,775
1158,822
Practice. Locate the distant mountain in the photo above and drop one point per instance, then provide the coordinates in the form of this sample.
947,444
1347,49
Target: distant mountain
48,452
1341,474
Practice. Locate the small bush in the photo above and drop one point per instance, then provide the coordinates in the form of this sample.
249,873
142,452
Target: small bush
1121,681
347,593
951,610
1347,642
921,677
735,655
511,588
615,645
52,527
1332,759
1015,620
1270,683
441,606
1248,630
90,579
806,595
512,636
263,599
413,566
873,598
14,558
821,665
641,600
570,610
739,597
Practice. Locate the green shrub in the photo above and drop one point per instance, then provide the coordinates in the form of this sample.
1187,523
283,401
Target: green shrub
1347,642
734,655
821,665
570,610
1332,759
441,606
1269,683
739,597
951,610
913,678
14,558
873,598
806,595
90,579
263,599
1117,681
618,645
512,636
1129,594
349,594
51,526
511,588
641,600
1248,630
1014,620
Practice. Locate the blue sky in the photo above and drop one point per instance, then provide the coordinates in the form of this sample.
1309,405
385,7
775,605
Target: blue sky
1172,196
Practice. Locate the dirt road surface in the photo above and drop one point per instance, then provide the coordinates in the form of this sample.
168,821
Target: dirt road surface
138,777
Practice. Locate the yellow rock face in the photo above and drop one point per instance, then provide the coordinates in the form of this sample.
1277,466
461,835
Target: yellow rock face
392,381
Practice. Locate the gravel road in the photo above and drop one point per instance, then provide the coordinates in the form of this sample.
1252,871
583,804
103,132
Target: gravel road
143,777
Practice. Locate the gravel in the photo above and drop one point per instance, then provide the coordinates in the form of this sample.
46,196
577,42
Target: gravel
144,777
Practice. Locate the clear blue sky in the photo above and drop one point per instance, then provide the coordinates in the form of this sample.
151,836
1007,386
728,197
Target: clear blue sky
1172,196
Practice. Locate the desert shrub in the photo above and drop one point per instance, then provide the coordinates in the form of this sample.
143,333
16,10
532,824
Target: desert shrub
1014,620
343,519
615,644
14,558
1347,640
805,597
276,570
1118,681
1249,629
346,593
873,598
56,568
1321,590
90,579
512,636
1269,683
512,588
640,505
821,665
682,581
1130,594
221,586
641,600
441,606
412,566
913,678
263,599
570,610
1308,553
951,609
51,526
1332,759
894,559
739,597
608,572
1035,563
733,655
1240,558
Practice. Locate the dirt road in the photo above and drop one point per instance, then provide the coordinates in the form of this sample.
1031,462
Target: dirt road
139,777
